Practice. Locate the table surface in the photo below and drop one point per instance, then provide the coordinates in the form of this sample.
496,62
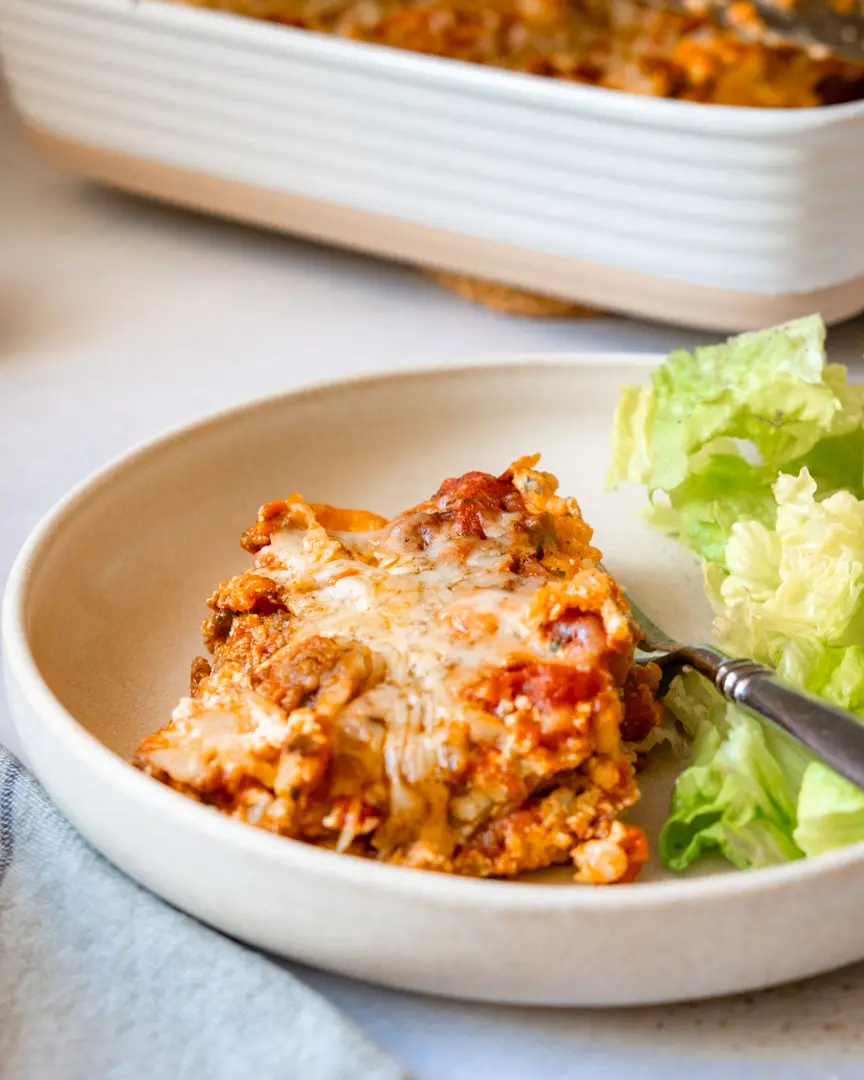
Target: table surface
119,319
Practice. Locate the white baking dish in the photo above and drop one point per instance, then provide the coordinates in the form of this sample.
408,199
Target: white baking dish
711,216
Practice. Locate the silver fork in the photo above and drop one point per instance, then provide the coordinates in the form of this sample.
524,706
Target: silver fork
832,734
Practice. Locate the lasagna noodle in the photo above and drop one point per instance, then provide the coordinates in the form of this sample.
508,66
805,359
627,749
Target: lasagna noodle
451,690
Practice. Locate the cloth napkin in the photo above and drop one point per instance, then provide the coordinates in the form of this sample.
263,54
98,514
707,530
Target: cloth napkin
100,980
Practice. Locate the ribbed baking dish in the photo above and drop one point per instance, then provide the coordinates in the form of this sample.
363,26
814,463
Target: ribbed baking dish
705,215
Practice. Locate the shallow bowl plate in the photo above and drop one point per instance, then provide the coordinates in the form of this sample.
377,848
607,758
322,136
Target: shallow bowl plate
101,620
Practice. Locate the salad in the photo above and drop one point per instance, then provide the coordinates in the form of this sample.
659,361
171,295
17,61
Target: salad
752,454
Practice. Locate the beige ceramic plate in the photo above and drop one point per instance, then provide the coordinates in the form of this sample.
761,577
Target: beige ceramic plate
101,619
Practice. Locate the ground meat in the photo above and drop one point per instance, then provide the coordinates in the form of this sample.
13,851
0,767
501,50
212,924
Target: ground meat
200,670
642,710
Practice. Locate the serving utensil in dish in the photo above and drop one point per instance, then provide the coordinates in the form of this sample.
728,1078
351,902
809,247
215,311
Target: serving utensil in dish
102,613
817,26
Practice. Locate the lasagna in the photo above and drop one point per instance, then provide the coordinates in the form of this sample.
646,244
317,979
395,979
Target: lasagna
619,44
452,690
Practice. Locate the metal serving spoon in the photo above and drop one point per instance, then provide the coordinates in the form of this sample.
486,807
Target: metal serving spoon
833,735
819,27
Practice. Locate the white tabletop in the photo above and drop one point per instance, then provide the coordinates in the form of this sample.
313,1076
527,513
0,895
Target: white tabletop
119,319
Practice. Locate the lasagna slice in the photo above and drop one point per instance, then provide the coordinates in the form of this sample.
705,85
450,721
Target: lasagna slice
452,690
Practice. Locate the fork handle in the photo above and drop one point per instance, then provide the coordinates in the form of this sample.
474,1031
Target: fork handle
832,734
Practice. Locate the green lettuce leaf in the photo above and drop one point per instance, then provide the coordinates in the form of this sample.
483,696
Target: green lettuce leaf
734,799
835,463
791,596
702,509
712,431
753,454
802,579
830,811
768,388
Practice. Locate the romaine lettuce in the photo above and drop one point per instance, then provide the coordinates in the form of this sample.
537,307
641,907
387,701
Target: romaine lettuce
711,432
800,580
753,454
830,811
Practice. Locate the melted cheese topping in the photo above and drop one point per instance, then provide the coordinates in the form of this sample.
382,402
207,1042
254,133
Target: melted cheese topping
435,621
424,619
417,681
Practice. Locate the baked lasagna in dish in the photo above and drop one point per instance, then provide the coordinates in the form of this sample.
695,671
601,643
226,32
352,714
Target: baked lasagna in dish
618,44
452,690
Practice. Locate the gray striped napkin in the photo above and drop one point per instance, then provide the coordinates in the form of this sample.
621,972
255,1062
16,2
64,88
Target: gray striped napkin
100,980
